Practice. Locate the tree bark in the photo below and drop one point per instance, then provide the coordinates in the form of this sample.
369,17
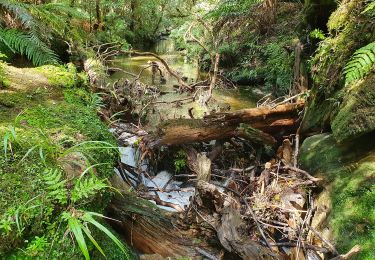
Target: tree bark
145,227
281,120
98,15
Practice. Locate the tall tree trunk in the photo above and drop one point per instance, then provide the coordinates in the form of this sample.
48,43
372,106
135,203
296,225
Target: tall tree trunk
133,7
98,15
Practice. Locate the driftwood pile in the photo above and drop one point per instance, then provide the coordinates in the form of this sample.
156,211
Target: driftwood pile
259,215
256,211
222,207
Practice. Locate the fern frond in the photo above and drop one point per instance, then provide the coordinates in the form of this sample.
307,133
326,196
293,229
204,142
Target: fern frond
87,188
370,9
29,45
361,63
55,183
63,9
20,12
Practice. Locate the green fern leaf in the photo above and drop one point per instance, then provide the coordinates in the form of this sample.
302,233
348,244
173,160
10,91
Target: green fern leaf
20,11
28,45
56,190
361,63
84,189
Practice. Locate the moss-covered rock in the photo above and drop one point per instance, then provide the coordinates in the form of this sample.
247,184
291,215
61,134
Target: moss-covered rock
63,76
350,29
356,114
349,197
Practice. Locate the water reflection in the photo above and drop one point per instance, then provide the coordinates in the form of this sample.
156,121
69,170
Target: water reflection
239,98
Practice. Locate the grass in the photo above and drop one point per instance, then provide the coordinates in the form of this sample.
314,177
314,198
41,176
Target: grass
50,121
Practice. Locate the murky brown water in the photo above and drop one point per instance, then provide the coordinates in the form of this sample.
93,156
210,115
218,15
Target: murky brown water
236,99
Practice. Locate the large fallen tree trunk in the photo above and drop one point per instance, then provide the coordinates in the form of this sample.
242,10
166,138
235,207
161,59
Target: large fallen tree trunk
145,227
281,119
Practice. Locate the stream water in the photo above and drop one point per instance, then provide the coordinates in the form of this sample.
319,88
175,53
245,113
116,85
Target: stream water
231,99
242,97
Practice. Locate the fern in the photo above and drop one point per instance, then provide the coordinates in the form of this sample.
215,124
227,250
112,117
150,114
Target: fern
20,12
370,9
27,44
361,63
56,189
84,189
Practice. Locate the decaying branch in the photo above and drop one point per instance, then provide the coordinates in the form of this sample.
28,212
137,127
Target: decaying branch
182,83
225,125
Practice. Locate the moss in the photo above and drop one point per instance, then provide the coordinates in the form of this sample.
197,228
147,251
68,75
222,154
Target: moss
4,81
356,114
354,30
46,126
349,171
63,76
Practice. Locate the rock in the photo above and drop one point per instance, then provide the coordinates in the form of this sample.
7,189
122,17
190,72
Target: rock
345,205
356,115
74,164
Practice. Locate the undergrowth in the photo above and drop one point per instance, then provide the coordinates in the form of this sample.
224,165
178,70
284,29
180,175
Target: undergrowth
56,157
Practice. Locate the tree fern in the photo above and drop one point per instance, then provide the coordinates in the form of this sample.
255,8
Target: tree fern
29,45
361,63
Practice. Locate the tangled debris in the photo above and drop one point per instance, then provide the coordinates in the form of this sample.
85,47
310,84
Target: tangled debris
256,211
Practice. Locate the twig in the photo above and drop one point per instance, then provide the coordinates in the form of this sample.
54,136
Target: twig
295,169
287,100
174,101
296,151
355,250
252,215
206,254
323,239
158,201
308,246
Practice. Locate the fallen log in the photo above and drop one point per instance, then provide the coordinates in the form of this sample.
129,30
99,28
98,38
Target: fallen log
147,228
260,123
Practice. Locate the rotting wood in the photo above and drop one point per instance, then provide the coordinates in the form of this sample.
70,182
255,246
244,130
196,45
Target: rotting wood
145,227
228,227
218,126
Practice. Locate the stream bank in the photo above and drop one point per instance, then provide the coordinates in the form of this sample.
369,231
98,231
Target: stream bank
51,134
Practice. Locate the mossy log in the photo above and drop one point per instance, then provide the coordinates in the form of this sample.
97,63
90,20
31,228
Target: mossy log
145,227
260,123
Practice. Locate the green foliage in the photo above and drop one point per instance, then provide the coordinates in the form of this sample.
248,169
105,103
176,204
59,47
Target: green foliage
9,137
370,9
37,246
180,161
87,188
78,221
36,183
55,183
28,45
317,34
361,63
233,8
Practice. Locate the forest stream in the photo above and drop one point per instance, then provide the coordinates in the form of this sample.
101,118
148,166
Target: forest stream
187,129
